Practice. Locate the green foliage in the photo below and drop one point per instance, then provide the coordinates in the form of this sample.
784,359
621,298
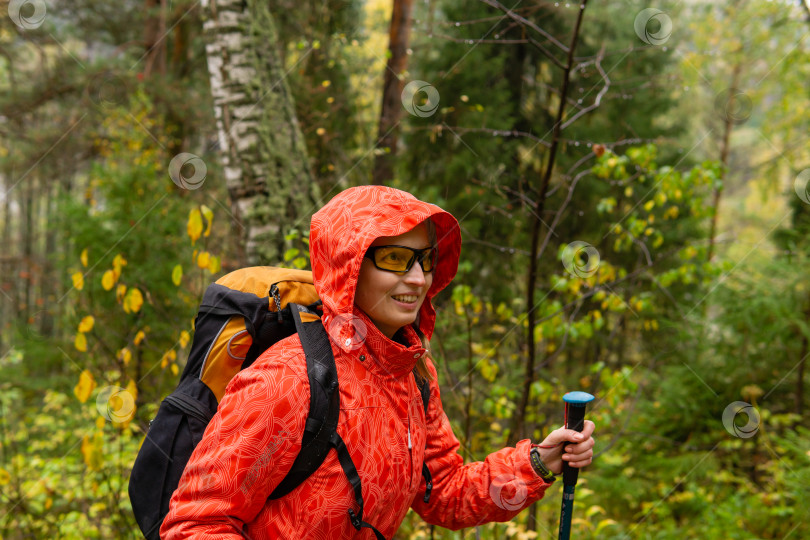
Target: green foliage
131,310
64,471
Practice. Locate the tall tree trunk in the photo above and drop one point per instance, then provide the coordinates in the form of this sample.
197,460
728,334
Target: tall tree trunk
7,267
398,39
799,404
154,37
264,155
728,126
518,430
799,407
27,259
47,277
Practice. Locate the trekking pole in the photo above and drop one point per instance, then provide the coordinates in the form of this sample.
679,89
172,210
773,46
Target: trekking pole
575,403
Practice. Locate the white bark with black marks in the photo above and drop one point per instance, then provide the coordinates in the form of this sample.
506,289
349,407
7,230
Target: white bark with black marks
264,156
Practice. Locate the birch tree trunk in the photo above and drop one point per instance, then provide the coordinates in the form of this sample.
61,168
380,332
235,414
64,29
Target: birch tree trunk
264,155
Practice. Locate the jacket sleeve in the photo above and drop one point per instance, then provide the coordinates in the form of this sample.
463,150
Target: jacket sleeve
247,449
495,489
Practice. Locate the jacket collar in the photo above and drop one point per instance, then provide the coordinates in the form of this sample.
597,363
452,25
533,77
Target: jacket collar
358,338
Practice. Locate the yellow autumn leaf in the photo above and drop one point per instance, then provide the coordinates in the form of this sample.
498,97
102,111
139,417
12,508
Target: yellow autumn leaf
133,301
5,477
125,355
108,280
132,388
83,257
100,421
209,219
78,281
203,259
214,265
119,261
91,450
168,356
87,324
194,226
122,405
80,342
184,337
175,369
139,337
120,291
85,386
177,275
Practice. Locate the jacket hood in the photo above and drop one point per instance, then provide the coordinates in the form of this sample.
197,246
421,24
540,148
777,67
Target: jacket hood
344,228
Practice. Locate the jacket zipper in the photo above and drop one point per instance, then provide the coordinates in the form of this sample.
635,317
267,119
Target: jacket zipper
188,406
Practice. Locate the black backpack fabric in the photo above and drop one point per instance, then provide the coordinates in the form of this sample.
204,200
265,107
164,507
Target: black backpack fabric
231,320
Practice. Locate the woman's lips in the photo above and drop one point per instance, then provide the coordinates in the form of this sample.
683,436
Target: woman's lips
408,300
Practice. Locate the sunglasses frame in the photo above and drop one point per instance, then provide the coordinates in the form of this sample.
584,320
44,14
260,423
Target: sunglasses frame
418,255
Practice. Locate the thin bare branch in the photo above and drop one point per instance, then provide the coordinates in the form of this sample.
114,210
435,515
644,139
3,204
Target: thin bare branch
525,22
493,132
598,100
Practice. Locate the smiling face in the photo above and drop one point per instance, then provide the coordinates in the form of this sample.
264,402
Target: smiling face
392,300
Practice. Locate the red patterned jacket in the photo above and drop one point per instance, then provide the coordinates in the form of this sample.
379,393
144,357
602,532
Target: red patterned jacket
253,439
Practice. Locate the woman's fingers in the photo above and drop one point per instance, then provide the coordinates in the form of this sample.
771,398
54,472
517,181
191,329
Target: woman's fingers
582,463
577,456
576,450
580,448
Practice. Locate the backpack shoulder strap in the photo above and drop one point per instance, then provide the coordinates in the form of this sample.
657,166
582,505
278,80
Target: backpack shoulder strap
324,402
424,388
320,430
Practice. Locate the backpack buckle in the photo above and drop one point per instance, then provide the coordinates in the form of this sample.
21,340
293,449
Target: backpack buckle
356,521
277,299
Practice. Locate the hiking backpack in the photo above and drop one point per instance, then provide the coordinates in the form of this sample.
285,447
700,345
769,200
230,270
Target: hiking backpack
241,315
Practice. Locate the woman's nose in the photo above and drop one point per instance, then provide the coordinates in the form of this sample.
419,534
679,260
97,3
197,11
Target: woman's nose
415,276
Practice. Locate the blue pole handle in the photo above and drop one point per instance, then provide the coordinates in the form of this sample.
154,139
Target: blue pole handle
575,403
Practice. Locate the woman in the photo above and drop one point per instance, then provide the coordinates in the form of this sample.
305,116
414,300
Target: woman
378,257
